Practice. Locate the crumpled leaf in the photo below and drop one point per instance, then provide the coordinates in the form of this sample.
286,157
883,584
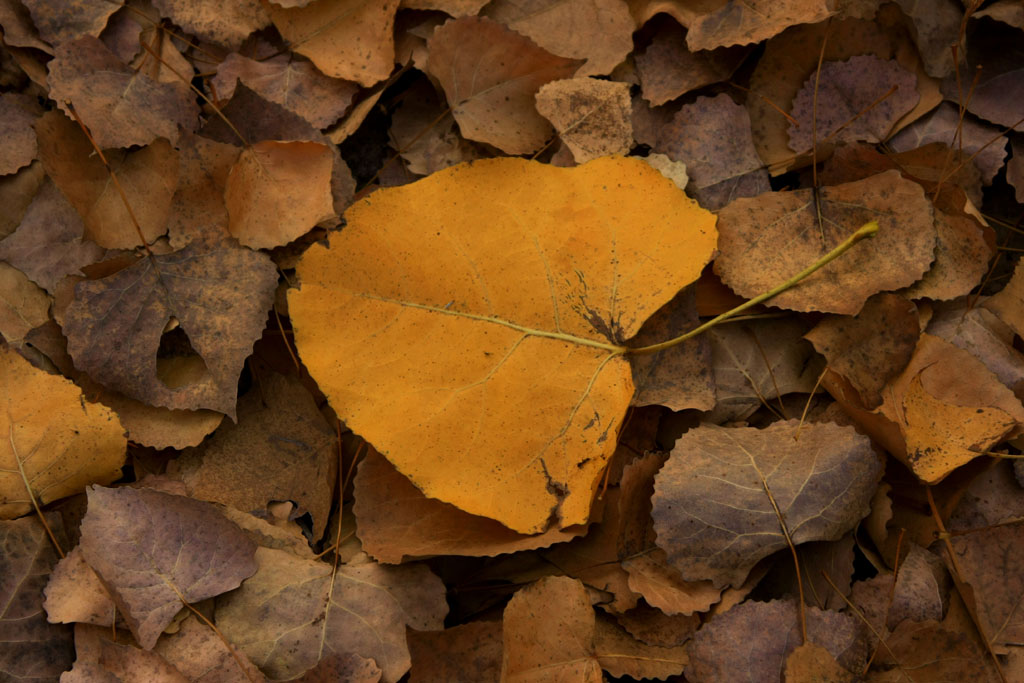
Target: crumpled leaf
293,83
550,632
571,300
56,442
218,293
288,615
147,175
278,191
31,649
350,39
221,21
844,94
592,117
490,75
712,511
767,239
120,106
599,31
751,642
152,550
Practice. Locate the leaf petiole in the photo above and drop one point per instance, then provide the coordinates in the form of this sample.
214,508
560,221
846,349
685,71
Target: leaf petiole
866,230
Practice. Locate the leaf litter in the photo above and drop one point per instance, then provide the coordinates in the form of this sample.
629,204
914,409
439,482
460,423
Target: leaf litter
307,376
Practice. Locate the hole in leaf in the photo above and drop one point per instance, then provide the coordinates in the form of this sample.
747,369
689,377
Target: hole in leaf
177,363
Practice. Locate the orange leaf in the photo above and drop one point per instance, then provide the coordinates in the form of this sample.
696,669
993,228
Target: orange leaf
483,311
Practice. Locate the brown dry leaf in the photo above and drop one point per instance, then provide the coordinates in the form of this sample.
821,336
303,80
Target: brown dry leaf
425,133
292,83
197,208
19,30
147,175
490,76
766,239
470,653
812,662
455,8
198,653
712,137
121,107
17,139
872,347
550,632
598,31
100,659
75,594
60,21
679,377
661,585
228,22
23,305
941,377
538,351
936,27
57,443
218,294
928,651
31,649
755,362
16,193
1015,169
752,641
154,426
979,331
350,39
1008,303
962,254
280,449
349,668
652,626
592,117
290,614
396,522
968,135
791,58
153,550
48,243
989,560
817,560
844,93
278,191
712,511
668,69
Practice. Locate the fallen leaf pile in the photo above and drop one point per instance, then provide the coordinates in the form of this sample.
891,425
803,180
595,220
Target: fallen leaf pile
331,341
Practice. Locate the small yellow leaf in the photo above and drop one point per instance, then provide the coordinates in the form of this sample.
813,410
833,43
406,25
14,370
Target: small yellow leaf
469,325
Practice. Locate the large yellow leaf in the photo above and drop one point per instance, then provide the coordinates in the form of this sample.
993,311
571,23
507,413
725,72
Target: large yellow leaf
470,325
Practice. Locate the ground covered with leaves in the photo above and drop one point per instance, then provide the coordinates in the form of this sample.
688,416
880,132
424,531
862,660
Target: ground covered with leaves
350,340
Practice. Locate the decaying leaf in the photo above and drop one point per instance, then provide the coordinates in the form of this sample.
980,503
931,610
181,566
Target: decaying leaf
31,649
470,653
538,353
292,612
219,294
55,442
154,550
767,239
226,21
592,117
715,500
101,658
491,90
988,559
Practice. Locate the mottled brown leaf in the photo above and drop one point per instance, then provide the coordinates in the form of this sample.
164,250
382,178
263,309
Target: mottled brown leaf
712,511
152,550
872,347
936,26
31,649
396,522
490,75
102,660
197,207
995,52
293,83
17,139
592,117
198,653
121,107
218,294
599,31
740,23
930,651
752,641
840,101
289,615
60,21
75,594
767,239
222,21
